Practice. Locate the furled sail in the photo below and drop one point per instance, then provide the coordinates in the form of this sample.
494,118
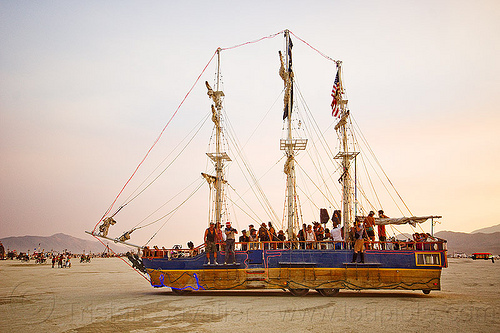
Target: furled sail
404,220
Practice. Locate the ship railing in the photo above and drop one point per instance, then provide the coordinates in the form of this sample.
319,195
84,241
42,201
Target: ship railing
176,252
294,245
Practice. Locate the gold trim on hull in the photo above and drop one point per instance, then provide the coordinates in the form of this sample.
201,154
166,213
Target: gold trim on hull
297,278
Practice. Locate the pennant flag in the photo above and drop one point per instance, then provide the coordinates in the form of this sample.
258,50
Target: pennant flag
336,97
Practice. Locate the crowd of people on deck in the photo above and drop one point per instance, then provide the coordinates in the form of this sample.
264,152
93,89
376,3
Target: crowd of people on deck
313,236
362,235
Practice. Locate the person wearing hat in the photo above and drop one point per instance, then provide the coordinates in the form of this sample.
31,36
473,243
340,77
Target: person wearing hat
281,238
210,236
230,239
382,235
264,235
244,239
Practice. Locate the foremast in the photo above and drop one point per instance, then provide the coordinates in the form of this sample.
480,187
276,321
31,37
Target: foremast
218,158
290,145
345,155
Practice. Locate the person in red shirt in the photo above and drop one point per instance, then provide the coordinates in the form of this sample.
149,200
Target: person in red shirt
369,227
382,236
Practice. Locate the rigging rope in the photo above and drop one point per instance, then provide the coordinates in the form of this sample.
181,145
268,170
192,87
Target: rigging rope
155,142
172,212
172,162
264,201
175,196
251,42
380,166
315,49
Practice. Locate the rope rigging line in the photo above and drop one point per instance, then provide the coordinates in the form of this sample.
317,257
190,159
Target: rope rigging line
202,123
358,130
334,204
320,137
155,142
251,42
256,219
315,49
372,187
264,201
136,227
380,166
378,176
172,212
180,105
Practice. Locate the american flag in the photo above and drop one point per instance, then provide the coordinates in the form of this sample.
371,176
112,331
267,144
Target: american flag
335,92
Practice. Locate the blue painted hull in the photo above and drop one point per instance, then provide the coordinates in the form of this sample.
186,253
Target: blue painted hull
301,269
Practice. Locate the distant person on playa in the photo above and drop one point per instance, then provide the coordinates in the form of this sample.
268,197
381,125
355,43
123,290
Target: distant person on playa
210,237
382,236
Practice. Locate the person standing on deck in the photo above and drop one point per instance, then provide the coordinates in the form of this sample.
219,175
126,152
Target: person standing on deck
272,235
230,239
253,239
359,243
264,235
310,237
302,236
336,235
210,237
369,224
281,239
382,236
219,238
244,239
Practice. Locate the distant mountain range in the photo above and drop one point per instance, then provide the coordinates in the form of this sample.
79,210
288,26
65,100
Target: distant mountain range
488,230
473,242
481,240
58,243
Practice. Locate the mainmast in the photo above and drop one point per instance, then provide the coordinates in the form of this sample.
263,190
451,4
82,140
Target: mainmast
289,145
345,156
218,157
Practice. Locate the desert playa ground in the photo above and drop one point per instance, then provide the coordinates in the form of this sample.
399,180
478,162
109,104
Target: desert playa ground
108,296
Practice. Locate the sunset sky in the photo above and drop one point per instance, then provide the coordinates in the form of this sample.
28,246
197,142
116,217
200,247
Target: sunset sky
86,87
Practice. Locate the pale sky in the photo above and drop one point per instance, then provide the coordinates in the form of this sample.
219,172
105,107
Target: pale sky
86,88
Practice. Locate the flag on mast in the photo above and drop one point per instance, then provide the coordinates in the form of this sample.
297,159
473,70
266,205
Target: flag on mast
336,97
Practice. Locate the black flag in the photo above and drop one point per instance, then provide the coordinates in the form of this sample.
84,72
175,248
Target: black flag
290,75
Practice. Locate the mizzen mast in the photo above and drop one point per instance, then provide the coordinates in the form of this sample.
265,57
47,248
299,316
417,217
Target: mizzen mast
345,155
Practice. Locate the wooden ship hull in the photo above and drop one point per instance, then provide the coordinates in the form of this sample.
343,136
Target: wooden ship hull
299,270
